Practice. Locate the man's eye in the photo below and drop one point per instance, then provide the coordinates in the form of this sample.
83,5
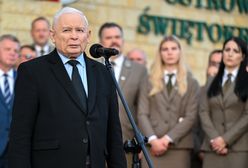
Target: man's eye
66,30
80,30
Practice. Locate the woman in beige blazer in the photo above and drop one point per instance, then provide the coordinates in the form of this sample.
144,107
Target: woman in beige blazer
224,110
167,107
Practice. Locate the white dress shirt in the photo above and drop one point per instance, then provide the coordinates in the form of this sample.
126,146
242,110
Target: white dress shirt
45,49
118,66
225,76
81,69
173,78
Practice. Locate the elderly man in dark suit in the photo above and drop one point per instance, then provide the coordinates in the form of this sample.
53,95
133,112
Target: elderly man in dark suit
9,47
65,110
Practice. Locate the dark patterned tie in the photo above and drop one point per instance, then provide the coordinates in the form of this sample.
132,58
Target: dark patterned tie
227,83
7,94
78,85
169,83
42,52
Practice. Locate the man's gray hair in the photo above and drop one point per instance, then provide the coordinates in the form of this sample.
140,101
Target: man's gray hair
9,37
68,10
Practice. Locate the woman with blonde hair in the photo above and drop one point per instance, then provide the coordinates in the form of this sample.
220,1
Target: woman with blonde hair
167,107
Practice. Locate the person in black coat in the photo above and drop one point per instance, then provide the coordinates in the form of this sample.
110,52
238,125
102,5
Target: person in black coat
55,123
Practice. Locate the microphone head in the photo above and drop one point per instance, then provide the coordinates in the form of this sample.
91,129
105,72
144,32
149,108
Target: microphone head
93,50
113,52
97,50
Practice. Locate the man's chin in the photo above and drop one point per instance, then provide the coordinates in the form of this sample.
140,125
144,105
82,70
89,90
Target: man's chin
74,54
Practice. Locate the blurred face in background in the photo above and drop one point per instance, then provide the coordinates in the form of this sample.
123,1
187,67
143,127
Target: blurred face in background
232,55
70,35
8,54
26,54
170,53
214,64
40,32
112,38
137,56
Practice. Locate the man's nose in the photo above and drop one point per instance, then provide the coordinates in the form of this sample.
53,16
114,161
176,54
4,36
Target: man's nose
74,34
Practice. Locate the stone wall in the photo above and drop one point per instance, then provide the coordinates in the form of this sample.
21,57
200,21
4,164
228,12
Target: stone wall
16,16
127,12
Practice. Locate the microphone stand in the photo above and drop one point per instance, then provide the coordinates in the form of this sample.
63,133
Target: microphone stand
139,138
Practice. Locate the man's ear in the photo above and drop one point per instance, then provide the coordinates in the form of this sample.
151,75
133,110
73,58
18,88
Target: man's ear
88,36
52,34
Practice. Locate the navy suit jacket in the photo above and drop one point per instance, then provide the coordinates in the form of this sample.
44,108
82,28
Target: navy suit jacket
5,119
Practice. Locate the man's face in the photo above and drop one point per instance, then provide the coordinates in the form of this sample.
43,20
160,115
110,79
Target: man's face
26,54
112,38
40,32
214,64
137,56
8,54
70,35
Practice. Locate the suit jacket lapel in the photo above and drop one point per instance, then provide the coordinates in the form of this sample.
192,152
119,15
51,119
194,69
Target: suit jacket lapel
220,100
2,99
170,96
165,92
125,72
13,95
173,93
91,79
61,75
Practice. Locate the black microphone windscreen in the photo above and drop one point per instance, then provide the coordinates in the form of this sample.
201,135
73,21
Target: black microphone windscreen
93,50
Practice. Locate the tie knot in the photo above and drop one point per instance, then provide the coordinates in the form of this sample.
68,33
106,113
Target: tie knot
170,75
42,51
73,63
229,76
5,75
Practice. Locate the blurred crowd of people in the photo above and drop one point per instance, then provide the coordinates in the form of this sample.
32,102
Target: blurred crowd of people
187,126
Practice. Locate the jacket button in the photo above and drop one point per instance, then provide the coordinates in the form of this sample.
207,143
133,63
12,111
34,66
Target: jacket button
87,122
85,140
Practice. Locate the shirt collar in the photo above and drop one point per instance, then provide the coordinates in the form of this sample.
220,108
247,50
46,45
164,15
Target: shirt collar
10,73
65,59
234,73
173,72
119,60
45,48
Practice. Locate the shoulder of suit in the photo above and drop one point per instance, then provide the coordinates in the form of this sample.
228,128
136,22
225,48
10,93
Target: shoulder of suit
210,80
191,79
38,62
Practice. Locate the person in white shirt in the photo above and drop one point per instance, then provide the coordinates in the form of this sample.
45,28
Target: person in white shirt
9,48
224,110
168,107
27,52
137,55
129,75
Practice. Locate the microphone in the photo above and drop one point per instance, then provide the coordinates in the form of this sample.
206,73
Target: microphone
97,50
